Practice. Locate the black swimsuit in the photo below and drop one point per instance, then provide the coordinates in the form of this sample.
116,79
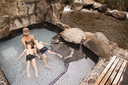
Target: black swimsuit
43,50
29,57
31,42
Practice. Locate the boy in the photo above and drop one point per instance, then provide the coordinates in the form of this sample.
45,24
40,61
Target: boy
30,57
43,49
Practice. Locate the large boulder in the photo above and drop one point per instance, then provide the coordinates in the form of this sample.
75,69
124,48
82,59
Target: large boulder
100,45
73,35
119,15
77,6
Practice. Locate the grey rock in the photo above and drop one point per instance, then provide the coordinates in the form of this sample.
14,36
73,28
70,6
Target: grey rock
119,15
103,8
91,81
61,49
62,25
73,35
77,6
100,45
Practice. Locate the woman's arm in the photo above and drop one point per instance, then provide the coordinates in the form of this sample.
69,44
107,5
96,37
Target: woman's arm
23,42
21,54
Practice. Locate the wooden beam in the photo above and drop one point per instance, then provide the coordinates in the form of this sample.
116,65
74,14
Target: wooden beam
104,71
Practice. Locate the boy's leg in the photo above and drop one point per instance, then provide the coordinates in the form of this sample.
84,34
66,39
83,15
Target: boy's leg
54,53
35,67
28,66
43,56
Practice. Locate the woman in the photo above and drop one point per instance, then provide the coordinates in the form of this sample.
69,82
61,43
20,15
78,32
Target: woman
27,39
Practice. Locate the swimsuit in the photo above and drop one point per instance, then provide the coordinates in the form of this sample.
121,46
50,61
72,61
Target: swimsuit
43,50
29,57
31,42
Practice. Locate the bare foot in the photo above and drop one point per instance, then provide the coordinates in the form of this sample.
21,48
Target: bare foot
47,66
37,75
60,55
29,75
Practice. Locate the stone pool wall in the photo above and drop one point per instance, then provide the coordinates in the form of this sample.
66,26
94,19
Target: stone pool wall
3,80
16,14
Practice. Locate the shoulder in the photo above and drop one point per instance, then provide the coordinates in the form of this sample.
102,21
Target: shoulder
22,39
31,36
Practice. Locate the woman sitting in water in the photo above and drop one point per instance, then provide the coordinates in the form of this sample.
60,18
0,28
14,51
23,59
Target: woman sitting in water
29,39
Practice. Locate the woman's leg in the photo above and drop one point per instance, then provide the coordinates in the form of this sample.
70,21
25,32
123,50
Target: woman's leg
28,66
43,56
35,67
54,53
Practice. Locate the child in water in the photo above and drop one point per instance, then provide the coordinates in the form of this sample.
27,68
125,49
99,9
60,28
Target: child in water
43,49
30,58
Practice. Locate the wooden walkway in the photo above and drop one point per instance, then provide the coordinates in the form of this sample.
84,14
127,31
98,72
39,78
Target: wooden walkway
113,73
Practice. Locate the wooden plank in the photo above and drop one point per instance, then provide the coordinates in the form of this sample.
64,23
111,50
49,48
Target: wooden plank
111,78
122,76
109,72
119,74
104,71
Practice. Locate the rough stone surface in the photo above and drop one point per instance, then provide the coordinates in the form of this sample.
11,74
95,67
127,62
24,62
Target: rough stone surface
77,6
4,25
88,2
62,26
120,53
88,35
100,45
119,15
103,8
3,80
52,15
91,81
22,13
74,35
61,49
108,13
96,7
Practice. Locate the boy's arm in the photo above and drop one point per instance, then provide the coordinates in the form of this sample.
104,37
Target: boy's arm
36,51
21,54
46,43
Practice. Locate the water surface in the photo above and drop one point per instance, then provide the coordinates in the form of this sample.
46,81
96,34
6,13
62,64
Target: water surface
114,29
